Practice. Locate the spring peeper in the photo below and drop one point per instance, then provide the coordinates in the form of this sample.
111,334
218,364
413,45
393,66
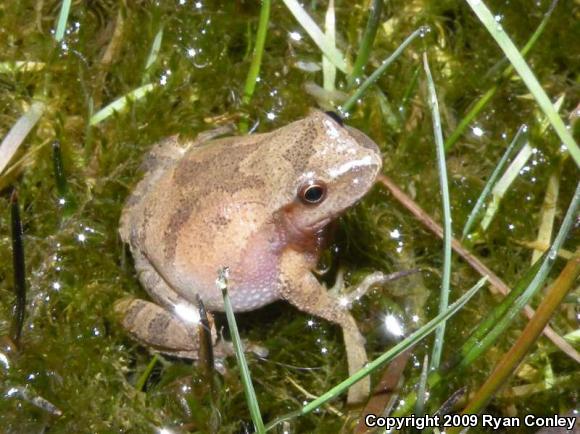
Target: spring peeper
258,204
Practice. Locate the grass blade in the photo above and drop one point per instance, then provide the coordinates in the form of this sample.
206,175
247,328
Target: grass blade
504,183
349,104
65,199
422,388
62,20
254,71
19,271
21,66
222,284
18,133
405,344
511,360
367,42
497,284
328,69
491,181
540,276
142,380
319,38
206,355
526,74
155,48
121,103
472,348
447,231
548,213
409,92
487,96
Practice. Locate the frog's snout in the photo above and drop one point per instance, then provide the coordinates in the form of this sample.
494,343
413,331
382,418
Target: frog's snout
365,141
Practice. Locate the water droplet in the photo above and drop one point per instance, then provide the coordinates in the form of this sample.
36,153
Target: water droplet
393,325
477,131
295,36
396,234
424,31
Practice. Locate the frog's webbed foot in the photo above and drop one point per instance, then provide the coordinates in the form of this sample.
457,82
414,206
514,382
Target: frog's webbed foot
307,294
158,328
348,296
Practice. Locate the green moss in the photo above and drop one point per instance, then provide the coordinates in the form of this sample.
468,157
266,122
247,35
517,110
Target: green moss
75,356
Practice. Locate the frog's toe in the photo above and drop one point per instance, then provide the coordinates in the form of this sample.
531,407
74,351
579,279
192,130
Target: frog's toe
258,350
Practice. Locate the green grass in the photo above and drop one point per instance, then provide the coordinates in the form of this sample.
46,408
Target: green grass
62,20
317,35
446,205
251,399
366,43
478,207
485,99
360,90
514,56
121,103
386,357
18,133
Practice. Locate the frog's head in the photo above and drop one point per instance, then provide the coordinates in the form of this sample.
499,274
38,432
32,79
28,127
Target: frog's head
338,165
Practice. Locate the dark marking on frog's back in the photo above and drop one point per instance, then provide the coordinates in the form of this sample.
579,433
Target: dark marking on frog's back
299,154
198,181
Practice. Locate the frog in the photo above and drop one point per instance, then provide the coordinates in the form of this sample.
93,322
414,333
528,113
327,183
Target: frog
259,204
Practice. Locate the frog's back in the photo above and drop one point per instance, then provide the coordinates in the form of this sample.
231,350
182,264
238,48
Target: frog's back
209,208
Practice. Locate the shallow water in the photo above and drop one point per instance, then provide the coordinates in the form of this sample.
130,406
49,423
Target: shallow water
73,353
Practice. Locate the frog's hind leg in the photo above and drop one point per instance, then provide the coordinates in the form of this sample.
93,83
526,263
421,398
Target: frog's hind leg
156,286
154,326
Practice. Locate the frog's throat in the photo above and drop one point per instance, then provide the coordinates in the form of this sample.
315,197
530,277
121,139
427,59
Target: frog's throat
286,223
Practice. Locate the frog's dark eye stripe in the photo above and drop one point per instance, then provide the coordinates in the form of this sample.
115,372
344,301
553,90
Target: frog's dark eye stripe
312,193
336,117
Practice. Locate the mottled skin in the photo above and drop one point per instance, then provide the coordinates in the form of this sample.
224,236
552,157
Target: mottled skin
237,202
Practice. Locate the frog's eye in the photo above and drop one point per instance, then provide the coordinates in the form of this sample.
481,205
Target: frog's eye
312,193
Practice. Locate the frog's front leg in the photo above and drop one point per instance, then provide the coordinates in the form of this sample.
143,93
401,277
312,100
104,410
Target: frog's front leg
156,327
302,290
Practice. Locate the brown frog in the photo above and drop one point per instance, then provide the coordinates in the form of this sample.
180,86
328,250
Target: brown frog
258,204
